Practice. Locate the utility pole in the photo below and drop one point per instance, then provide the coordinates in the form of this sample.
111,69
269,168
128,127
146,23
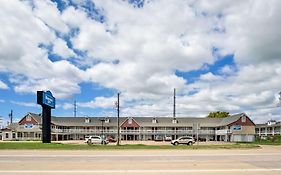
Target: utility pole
174,111
118,121
102,134
74,108
1,122
11,117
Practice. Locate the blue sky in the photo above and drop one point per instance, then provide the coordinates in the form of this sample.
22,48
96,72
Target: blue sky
90,50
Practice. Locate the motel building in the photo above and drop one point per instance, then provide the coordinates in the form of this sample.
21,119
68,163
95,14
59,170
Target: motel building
233,128
270,128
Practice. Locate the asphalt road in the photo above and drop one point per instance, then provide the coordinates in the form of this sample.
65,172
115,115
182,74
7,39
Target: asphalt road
208,162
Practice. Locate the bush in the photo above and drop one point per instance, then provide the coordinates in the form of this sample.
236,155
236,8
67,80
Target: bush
270,139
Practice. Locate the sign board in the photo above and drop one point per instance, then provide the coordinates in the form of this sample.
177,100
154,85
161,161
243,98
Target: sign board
46,98
236,128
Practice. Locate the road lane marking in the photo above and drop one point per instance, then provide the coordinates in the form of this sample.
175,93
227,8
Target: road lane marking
143,155
142,171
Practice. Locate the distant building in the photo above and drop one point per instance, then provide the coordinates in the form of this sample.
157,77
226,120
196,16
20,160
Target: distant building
237,127
270,128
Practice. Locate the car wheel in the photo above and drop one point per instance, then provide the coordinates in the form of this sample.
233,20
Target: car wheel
189,143
176,143
89,141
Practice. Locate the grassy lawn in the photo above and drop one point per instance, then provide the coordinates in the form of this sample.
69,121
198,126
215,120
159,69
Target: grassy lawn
271,140
60,146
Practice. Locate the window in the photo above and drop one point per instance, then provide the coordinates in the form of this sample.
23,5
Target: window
14,135
7,135
154,120
107,120
87,120
28,126
174,121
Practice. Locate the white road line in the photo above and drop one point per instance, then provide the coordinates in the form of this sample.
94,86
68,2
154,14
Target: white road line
142,155
142,171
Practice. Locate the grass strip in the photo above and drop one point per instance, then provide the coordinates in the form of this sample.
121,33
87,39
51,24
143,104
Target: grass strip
61,146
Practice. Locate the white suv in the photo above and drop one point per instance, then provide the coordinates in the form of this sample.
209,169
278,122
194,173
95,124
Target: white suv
95,140
183,140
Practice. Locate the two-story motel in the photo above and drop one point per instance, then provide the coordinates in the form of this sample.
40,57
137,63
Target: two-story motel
270,128
237,127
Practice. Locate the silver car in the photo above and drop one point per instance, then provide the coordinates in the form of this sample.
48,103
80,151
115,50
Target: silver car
95,140
183,140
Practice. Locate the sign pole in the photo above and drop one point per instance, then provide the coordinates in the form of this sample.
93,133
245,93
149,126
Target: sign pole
46,124
48,102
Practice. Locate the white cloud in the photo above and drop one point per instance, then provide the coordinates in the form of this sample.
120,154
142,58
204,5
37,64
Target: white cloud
3,85
67,106
48,12
209,77
26,104
61,48
137,51
30,62
252,29
99,102
227,70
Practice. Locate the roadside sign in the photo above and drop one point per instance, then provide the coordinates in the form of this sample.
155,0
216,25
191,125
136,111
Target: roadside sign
46,98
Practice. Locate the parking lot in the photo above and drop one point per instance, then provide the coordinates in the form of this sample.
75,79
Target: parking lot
243,161
147,142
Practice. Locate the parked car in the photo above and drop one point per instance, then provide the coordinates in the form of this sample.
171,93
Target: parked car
111,139
95,140
202,139
183,140
168,138
158,138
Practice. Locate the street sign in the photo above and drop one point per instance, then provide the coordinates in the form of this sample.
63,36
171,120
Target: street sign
46,98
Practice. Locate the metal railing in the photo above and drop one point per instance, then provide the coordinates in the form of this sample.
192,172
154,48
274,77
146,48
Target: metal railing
152,132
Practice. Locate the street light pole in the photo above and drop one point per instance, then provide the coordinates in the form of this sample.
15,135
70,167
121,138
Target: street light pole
118,121
102,120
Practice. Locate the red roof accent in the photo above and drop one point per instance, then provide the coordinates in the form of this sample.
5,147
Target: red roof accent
23,121
248,122
126,123
6,129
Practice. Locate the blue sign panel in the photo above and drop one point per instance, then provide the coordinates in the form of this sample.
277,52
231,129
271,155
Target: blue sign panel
48,99
236,127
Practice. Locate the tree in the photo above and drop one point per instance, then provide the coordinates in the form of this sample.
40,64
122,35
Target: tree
218,114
